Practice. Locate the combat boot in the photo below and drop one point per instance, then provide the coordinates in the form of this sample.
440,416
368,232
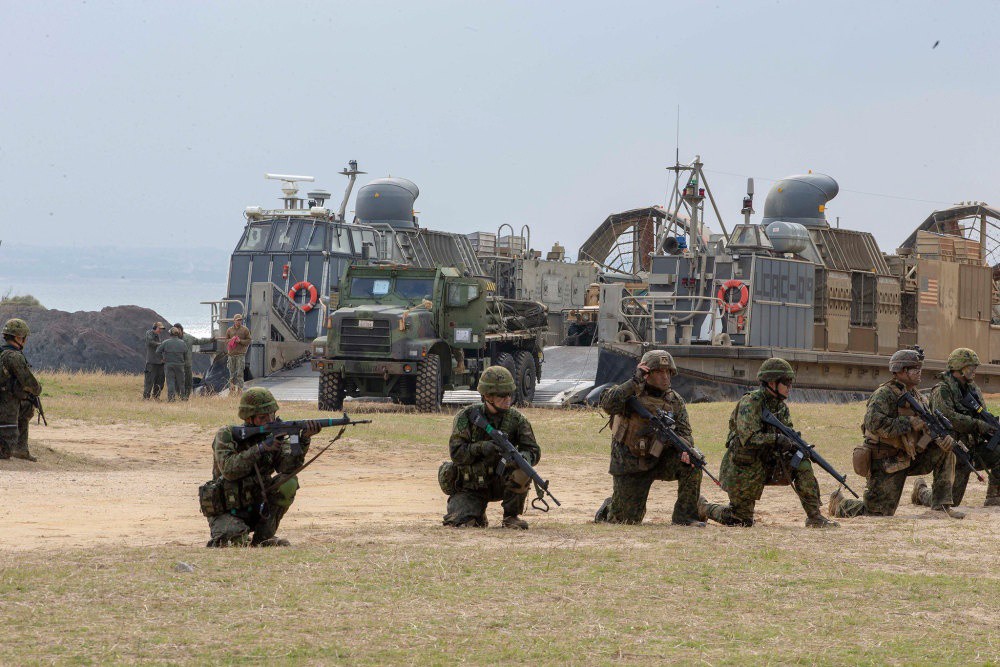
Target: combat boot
602,511
835,498
992,496
702,508
274,542
918,486
515,522
690,523
820,521
24,456
950,511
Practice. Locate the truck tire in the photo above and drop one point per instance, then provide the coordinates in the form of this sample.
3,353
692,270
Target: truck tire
524,378
429,386
331,391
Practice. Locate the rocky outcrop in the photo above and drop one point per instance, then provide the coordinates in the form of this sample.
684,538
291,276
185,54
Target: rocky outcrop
111,340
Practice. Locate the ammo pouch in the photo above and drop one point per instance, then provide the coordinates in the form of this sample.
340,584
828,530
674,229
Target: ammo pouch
475,477
742,456
211,498
637,436
862,460
448,478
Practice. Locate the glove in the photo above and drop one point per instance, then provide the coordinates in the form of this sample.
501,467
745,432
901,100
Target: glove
784,443
984,429
270,445
485,448
639,377
946,443
916,423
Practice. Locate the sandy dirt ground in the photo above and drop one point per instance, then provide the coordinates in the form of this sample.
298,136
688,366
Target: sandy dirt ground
126,485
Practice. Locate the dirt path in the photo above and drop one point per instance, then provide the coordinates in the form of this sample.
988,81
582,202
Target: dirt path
131,486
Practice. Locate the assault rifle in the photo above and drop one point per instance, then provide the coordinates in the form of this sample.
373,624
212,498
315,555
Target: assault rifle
36,401
510,455
664,425
970,402
292,429
939,427
803,450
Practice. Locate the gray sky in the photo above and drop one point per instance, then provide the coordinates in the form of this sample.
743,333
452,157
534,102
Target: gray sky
152,123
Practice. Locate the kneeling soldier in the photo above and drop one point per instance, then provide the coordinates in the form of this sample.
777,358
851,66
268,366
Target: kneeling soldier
897,446
954,384
757,456
638,457
237,501
470,479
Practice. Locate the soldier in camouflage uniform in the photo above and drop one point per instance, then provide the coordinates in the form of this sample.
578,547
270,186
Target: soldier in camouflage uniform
757,456
897,446
17,386
240,470
638,458
954,384
473,482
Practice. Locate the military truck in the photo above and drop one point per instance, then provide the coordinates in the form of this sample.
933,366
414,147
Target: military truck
409,333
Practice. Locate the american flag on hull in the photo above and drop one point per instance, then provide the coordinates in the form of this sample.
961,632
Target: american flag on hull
929,294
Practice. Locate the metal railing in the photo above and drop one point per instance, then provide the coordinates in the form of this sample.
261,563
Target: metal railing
288,312
642,315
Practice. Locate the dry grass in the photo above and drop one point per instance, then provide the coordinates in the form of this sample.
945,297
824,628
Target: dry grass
905,590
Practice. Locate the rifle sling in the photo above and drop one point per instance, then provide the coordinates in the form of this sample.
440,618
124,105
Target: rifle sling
284,477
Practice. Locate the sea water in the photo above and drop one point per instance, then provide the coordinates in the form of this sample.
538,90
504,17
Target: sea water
176,300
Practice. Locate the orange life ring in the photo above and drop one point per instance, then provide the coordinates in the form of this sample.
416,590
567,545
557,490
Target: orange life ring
733,306
304,285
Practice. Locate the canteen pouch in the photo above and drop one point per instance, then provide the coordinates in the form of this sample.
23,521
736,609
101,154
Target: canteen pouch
448,478
862,460
211,498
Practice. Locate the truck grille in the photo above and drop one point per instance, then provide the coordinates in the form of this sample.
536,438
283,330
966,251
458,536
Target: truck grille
354,338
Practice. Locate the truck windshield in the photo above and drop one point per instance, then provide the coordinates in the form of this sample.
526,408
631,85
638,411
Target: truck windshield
369,287
414,288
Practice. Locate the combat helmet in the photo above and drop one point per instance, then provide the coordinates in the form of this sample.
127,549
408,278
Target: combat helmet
962,357
15,327
496,380
903,359
655,360
257,401
775,369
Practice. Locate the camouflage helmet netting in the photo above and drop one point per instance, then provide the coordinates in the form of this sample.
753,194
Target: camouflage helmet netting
257,401
903,359
15,327
961,358
657,359
496,380
774,369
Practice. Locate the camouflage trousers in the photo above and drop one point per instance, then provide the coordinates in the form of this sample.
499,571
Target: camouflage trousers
236,363
745,485
962,474
175,381
14,442
152,383
468,506
235,527
630,492
188,381
883,490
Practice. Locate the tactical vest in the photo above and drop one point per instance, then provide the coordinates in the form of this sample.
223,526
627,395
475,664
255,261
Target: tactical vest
634,432
882,446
